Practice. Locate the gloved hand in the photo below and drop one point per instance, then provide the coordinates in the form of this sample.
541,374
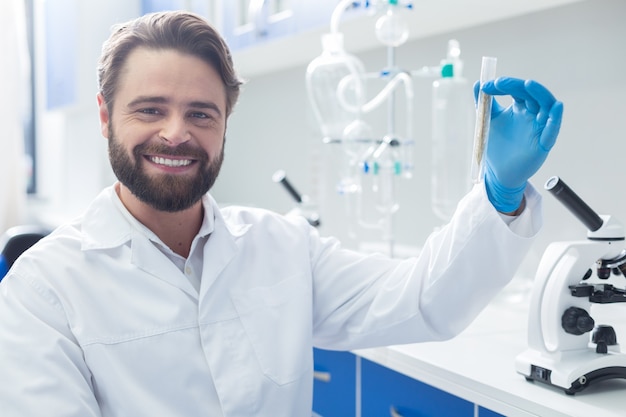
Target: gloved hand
520,138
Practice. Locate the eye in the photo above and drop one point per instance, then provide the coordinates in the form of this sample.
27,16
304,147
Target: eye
150,111
201,118
199,115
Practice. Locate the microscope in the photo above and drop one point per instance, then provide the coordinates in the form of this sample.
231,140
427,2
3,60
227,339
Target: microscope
566,348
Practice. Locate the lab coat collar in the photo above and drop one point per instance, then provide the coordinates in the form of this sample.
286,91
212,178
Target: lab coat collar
235,228
106,225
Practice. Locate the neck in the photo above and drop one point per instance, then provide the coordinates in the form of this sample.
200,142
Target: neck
177,230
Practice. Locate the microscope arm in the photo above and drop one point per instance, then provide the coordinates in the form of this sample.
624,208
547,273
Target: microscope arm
563,265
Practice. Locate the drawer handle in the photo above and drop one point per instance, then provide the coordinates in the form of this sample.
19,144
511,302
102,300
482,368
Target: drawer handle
321,376
393,412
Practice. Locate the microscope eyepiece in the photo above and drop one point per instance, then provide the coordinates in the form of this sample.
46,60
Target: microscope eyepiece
280,177
573,203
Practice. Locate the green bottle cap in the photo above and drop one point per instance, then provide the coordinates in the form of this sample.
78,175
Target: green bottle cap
447,71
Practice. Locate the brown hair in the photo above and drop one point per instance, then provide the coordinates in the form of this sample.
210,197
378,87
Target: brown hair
178,30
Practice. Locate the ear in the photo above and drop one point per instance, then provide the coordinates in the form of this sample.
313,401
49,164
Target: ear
103,112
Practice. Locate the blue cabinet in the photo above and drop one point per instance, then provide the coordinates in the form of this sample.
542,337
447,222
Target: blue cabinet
61,22
248,23
343,379
385,392
484,412
201,7
334,386
149,6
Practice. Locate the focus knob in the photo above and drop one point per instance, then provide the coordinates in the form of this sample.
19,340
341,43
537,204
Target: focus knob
603,337
577,321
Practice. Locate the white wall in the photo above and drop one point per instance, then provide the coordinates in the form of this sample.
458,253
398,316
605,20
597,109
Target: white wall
575,50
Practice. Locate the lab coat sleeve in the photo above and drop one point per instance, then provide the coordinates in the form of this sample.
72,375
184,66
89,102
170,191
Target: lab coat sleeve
373,301
34,326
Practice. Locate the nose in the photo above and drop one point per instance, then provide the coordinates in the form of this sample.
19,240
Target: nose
174,130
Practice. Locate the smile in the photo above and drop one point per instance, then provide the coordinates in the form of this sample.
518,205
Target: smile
170,162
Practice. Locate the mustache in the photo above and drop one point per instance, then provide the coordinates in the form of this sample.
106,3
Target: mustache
184,149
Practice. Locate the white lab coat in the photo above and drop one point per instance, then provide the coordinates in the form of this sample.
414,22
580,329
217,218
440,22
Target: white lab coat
96,321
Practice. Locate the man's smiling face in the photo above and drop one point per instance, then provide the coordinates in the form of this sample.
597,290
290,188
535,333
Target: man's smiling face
166,128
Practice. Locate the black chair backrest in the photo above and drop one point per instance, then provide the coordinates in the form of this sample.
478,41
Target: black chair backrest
19,238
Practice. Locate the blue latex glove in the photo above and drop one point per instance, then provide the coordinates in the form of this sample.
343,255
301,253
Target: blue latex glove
520,138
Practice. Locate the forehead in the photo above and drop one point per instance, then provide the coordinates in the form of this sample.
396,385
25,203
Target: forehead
170,74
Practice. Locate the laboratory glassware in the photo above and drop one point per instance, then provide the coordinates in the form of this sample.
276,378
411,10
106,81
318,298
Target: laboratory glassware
452,133
373,161
337,93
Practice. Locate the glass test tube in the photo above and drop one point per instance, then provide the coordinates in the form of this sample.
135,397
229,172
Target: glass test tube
483,119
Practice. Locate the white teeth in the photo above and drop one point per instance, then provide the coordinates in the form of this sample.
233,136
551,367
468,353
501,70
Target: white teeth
170,162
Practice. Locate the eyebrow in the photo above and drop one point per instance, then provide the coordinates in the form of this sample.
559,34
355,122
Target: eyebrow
162,100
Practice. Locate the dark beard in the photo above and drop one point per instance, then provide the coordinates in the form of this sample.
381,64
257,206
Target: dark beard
170,193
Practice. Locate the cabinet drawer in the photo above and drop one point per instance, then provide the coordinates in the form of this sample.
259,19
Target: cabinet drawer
388,393
334,386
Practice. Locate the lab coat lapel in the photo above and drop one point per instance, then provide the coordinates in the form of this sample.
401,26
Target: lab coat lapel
116,230
147,257
219,250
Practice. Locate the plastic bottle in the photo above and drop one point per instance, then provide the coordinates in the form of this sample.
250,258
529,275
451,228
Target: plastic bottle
453,115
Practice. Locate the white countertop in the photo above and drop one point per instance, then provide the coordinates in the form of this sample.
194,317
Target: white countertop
479,366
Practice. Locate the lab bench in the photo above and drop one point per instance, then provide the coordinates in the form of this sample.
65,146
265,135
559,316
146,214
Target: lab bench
468,376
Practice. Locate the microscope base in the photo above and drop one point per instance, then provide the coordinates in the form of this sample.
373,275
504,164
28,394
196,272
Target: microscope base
573,371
